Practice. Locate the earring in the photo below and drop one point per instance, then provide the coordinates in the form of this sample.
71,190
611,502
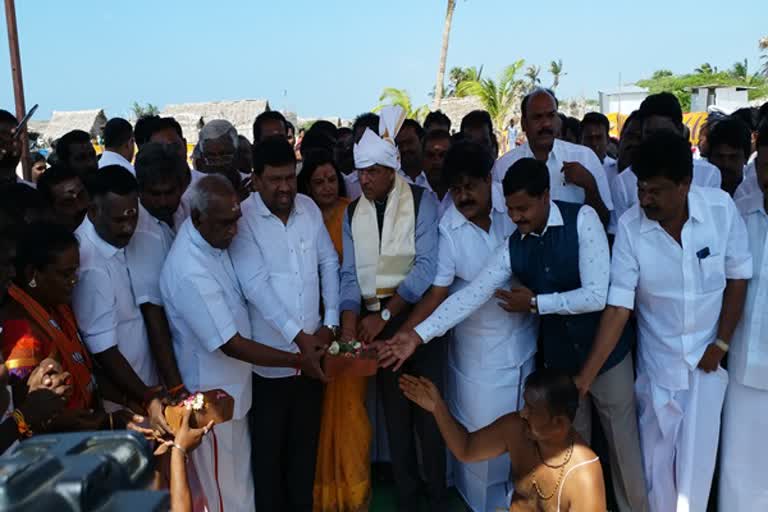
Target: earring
33,283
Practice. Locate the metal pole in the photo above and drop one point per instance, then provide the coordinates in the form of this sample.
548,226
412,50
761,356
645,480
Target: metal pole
18,84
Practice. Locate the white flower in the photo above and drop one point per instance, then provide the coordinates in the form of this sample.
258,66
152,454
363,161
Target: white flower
334,348
357,345
195,402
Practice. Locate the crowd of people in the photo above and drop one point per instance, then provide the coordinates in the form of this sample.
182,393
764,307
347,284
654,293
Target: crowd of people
509,300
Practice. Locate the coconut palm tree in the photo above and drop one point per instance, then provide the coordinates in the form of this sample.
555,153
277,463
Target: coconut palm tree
532,74
458,75
763,44
497,97
739,70
556,69
400,97
705,69
444,53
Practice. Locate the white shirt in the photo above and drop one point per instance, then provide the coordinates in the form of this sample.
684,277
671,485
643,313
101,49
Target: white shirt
282,270
611,167
561,152
704,175
677,290
748,357
205,310
105,304
352,183
112,158
489,337
593,272
146,253
421,180
749,185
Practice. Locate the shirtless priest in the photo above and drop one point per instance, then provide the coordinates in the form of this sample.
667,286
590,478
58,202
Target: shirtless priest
553,469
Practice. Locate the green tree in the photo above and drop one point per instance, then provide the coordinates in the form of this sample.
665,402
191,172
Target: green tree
142,111
458,75
661,73
705,69
498,97
439,85
400,97
739,70
532,74
763,44
556,70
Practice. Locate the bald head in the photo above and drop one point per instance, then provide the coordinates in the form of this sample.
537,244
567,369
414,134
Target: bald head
215,210
539,119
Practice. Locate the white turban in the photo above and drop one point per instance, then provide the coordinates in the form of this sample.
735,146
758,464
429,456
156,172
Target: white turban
374,149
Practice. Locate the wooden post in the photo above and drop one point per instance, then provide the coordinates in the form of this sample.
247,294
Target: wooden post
18,84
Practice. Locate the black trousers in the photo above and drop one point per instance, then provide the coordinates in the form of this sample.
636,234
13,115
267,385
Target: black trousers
285,427
406,420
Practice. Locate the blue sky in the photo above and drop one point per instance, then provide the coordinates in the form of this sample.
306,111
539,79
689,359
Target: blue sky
333,57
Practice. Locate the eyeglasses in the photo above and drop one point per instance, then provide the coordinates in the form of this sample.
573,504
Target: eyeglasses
218,159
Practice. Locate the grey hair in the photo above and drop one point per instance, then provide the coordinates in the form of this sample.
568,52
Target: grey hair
208,187
217,129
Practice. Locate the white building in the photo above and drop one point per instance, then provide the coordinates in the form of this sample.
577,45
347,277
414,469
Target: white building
724,98
623,101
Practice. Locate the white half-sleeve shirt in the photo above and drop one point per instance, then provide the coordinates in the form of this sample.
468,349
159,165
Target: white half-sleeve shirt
206,309
105,305
677,290
112,158
146,255
284,271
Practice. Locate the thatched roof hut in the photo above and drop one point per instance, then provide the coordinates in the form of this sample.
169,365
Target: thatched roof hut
91,121
192,116
457,108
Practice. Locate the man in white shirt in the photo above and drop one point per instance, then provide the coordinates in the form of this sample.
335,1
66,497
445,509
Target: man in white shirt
119,144
745,415
730,144
411,163
681,261
576,174
212,335
75,150
159,175
559,258
492,351
595,128
285,263
64,190
104,300
630,138
660,112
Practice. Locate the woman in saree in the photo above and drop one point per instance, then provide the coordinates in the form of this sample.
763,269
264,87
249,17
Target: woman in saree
38,324
343,474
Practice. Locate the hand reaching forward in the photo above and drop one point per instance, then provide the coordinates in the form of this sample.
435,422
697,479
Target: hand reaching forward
420,391
398,349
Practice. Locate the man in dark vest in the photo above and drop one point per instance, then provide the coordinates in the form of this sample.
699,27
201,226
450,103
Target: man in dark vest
559,254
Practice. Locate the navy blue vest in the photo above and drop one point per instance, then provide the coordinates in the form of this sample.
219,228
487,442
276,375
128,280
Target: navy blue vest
549,264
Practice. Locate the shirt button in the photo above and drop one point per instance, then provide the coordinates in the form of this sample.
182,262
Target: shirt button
546,269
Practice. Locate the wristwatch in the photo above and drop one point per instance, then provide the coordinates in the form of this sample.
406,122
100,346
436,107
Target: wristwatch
385,315
534,305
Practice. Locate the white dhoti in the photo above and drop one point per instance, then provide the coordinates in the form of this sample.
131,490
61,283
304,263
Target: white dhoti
477,397
679,435
743,475
223,464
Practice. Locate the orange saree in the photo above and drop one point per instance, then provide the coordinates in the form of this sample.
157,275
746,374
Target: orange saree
36,334
343,474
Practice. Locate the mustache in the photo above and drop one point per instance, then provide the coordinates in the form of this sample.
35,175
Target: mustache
546,131
466,204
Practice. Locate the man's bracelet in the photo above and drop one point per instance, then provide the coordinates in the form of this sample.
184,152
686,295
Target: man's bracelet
182,450
722,345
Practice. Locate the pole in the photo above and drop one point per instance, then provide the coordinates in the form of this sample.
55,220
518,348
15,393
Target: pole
18,84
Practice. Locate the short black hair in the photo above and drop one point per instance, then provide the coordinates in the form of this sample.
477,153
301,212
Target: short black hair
571,124
267,115
536,92
35,157
367,120
560,392
272,151
316,139
526,174
39,244
158,162
327,128
762,133
436,134
69,138
144,129
415,126
747,115
732,132
55,174
19,198
466,159
663,104
7,117
117,132
114,179
314,159
663,154
596,118
634,116
477,118
344,131
436,117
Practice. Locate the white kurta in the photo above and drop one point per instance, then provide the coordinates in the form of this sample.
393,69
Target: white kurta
112,158
491,352
743,477
676,291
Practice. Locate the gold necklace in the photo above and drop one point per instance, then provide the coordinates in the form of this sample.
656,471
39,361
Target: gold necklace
559,478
